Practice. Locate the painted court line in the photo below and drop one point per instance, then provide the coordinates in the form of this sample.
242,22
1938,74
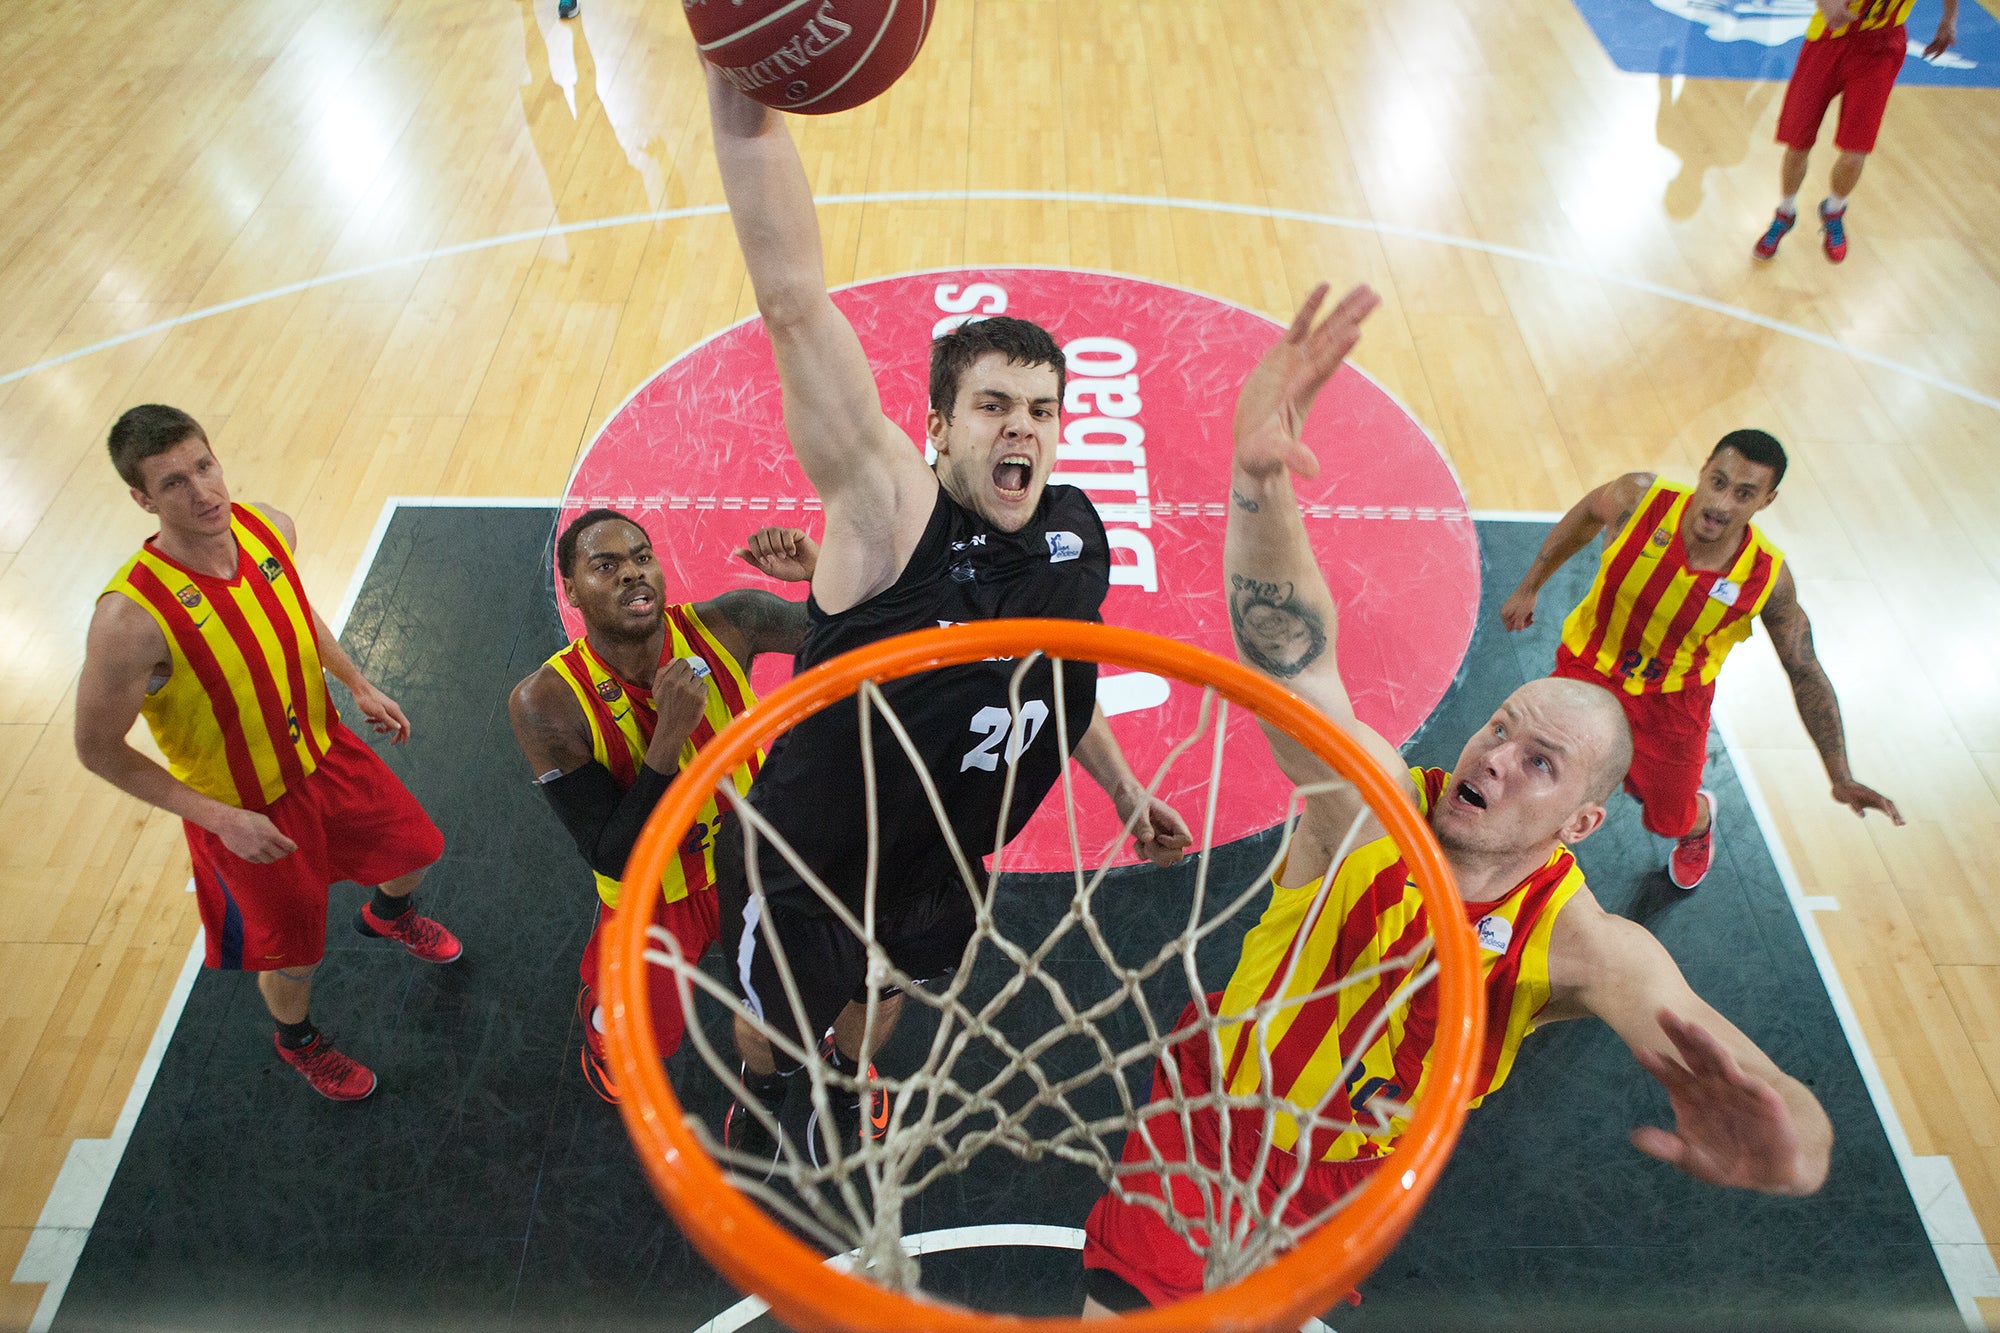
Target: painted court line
1968,1266
1060,197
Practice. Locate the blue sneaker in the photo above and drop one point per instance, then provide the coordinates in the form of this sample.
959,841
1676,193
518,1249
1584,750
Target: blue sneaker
1781,222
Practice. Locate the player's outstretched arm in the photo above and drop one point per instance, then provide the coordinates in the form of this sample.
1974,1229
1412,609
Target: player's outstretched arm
1819,710
1609,506
119,656
1158,832
1280,609
1739,1120
876,490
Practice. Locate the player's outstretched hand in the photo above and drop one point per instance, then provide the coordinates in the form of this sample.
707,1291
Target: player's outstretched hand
1518,611
1861,798
786,554
1731,1127
1158,833
385,715
1947,33
1271,409
254,837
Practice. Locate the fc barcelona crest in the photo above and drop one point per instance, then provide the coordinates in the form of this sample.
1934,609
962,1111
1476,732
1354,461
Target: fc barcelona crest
610,691
1661,537
270,568
190,596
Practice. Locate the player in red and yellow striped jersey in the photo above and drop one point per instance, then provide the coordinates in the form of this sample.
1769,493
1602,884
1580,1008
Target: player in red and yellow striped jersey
1854,50
1527,786
608,720
208,635
1683,575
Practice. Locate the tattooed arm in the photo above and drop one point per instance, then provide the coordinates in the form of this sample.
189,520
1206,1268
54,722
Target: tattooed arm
1608,508
1281,611
1791,634
750,621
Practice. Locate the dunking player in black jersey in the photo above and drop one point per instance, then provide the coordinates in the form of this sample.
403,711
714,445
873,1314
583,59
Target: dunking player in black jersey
905,547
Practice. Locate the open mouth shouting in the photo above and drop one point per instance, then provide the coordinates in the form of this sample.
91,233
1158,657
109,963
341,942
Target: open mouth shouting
639,601
1012,475
1467,796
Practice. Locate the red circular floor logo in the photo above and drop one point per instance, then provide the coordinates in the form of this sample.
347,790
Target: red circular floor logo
699,456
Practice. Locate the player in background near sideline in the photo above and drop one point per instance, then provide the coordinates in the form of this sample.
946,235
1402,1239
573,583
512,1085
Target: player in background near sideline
1683,575
905,547
1854,50
1526,786
609,719
207,634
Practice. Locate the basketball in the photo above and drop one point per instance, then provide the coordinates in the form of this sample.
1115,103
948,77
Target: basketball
810,56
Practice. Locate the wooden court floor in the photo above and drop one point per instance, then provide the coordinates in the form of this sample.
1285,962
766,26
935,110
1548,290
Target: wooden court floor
1563,250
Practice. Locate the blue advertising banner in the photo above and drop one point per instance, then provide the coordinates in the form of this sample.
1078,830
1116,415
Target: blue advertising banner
1760,39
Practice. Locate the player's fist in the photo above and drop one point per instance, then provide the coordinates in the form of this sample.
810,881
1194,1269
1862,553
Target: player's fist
680,694
783,553
1518,611
254,837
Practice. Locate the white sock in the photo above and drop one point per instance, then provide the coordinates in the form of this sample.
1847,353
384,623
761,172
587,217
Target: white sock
1835,203
1789,205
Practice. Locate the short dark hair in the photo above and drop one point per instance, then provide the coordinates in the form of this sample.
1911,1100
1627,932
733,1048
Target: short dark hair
145,430
589,518
1758,446
1023,343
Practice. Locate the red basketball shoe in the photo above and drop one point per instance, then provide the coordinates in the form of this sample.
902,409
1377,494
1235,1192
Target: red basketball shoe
423,937
1833,233
1767,244
1693,855
332,1075
596,1063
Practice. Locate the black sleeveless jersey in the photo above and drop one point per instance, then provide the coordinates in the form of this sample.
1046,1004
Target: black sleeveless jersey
812,785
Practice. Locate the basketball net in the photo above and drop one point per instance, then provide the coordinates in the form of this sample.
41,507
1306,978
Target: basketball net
1026,1051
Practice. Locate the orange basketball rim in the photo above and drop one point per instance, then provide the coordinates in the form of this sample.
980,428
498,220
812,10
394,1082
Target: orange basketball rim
759,1256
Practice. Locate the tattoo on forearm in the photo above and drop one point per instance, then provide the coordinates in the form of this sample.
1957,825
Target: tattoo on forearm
1275,631
1242,501
767,622
1819,710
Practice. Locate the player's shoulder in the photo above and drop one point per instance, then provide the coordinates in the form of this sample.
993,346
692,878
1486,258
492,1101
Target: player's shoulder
123,631
284,524
543,690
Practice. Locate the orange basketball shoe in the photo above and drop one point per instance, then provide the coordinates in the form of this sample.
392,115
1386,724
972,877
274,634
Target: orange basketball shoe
332,1075
596,1065
1693,855
850,1124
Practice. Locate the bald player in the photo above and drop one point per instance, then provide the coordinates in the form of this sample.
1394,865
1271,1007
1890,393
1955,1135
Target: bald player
1527,786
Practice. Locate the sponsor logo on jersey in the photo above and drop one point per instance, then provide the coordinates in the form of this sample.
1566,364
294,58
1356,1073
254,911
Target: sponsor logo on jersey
977,539
1495,933
610,691
270,568
1063,546
1725,591
190,596
962,572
